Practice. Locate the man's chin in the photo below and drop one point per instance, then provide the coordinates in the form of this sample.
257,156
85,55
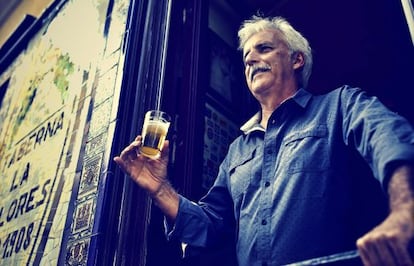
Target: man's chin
259,90
259,83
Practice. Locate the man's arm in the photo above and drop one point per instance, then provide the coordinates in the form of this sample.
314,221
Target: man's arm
387,244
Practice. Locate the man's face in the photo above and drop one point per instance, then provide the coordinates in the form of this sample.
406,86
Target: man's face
268,63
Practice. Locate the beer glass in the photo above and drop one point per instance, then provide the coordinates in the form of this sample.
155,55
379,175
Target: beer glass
154,132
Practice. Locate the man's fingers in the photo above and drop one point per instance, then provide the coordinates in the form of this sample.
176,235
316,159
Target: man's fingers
165,149
367,252
120,162
383,251
400,253
147,173
129,154
130,150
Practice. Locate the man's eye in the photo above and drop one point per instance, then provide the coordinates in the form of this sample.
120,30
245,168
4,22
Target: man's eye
265,48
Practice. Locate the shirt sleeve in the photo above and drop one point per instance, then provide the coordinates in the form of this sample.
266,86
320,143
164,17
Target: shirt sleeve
204,223
190,224
381,136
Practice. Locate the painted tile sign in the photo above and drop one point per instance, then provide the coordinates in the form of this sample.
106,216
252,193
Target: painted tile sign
34,139
42,118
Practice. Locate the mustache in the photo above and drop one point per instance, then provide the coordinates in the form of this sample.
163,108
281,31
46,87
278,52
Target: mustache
258,68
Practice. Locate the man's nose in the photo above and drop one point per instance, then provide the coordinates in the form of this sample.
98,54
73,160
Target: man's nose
251,58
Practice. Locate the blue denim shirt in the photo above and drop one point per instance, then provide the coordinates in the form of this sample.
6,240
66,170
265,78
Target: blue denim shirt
298,189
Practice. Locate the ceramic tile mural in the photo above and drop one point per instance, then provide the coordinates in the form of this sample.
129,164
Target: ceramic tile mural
105,98
43,117
35,141
78,253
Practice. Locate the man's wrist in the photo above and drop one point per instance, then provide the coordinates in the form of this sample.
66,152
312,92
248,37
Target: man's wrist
167,199
400,189
161,190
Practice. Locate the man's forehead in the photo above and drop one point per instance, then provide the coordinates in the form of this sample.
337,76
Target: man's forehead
263,36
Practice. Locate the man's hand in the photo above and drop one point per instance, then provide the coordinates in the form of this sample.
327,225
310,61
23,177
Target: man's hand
148,173
151,175
388,243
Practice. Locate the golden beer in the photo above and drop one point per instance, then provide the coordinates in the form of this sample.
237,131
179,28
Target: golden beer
154,132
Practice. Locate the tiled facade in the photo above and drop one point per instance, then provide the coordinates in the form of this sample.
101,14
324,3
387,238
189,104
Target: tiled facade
65,224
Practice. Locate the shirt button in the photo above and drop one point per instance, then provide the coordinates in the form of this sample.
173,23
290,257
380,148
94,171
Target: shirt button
273,121
267,184
264,222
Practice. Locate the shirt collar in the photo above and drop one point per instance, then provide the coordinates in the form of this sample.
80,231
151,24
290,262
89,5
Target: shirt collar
253,124
301,98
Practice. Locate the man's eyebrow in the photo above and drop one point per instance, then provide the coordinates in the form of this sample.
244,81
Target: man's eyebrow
258,45
267,43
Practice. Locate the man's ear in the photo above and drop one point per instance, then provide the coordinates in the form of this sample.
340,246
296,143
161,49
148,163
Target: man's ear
298,60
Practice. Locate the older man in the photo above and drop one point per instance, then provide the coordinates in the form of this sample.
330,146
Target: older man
287,189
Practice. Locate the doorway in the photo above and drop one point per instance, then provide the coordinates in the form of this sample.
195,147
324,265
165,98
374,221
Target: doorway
354,42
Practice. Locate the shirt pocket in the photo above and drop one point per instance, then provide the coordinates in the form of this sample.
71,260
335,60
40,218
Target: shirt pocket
306,150
242,174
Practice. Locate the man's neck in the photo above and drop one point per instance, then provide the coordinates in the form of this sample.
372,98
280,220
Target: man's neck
269,106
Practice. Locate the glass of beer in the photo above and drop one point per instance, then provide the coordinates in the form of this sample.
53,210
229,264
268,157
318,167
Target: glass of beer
154,131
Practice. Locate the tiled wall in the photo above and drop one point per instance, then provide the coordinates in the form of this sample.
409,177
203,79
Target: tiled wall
68,82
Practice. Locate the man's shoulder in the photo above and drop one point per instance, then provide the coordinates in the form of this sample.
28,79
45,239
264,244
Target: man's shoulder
344,89
341,94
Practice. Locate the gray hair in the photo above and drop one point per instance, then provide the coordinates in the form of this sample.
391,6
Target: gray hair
294,39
